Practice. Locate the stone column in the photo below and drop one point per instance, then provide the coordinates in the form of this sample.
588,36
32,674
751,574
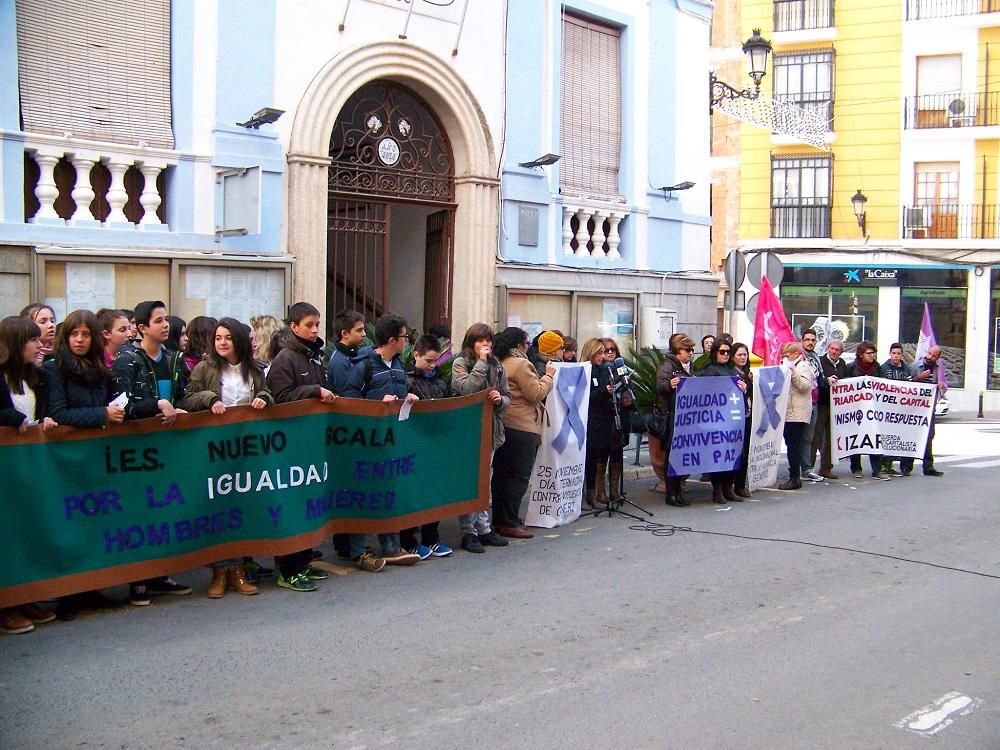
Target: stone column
307,231
474,277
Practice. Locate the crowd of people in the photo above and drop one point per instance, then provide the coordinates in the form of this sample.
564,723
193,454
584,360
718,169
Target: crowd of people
99,368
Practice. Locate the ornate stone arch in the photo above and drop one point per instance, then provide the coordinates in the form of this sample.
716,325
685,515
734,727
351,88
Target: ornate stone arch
476,184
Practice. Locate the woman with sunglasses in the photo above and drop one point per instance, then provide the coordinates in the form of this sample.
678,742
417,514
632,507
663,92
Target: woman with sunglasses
676,366
720,364
741,361
620,438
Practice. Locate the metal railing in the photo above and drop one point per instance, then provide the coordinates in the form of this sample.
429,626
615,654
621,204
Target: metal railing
952,221
798,15
800,221
919,9
956,109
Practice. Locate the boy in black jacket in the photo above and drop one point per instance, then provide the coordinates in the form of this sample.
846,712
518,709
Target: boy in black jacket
297,373
154,380
424,381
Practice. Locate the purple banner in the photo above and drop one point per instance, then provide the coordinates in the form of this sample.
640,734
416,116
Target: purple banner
708,426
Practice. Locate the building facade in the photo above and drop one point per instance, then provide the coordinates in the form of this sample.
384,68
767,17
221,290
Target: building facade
906,89
593,244
134,165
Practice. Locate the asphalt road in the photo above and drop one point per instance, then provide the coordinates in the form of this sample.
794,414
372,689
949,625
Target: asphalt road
596,635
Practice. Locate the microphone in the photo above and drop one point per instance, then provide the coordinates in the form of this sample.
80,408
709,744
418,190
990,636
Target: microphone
619,370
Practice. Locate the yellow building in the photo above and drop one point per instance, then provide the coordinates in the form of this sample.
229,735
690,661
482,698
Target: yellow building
911,92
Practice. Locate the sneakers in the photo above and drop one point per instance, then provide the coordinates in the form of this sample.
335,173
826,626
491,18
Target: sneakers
473,543
812,476
297,582
880,477
368,561
422,551
37,615
492,539
859,474
13,622
888,470
255,571
315,574
401,557
138,595
440,550
167,586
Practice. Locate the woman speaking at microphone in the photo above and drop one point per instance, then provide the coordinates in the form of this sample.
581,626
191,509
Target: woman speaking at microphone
600,424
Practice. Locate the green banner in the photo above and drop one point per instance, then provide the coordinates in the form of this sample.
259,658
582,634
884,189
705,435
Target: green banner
86,509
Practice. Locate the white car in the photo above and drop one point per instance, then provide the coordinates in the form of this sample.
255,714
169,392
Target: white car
942,407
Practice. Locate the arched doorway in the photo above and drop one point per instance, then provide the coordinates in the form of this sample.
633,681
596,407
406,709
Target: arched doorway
473,273
391,208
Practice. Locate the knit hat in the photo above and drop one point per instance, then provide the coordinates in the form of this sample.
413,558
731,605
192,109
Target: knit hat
549,343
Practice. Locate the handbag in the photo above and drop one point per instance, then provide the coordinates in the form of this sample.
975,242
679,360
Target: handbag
658,425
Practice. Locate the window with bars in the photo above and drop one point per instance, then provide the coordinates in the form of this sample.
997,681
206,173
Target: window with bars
590,108
806,80
797,15
800,196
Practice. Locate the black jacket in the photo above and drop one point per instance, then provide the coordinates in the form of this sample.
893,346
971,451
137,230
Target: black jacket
297,372
11,417
829,370
427,387
670,368
78,397
135,376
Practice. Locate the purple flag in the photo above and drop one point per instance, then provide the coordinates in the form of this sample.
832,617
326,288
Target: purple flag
926,341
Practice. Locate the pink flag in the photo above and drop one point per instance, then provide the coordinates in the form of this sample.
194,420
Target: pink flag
926,341
771,329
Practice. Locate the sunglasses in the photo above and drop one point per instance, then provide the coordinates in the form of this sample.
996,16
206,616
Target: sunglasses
723,351
610,351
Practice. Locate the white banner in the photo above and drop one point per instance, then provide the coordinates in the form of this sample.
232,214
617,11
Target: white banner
555,495
767,427
883,417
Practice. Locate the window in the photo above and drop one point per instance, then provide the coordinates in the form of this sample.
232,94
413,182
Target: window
98,70
993,360
796,15
939,89
806,80
948,314
935,191
590,108
800,196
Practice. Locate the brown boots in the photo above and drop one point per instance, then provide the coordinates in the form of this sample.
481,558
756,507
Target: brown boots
614,480
601,486
233,578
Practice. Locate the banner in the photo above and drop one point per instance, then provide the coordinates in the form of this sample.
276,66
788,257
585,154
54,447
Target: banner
86,509
555,495
770,400
770,327
708,426
874,415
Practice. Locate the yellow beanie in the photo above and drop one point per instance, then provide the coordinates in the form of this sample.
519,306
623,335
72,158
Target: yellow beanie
549,343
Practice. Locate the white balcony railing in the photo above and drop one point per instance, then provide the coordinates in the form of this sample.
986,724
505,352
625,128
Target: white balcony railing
590,229
87,183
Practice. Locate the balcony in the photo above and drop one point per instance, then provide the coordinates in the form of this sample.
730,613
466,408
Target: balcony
921,9
800,15
951,221
85,183
953,110
590,229
800,221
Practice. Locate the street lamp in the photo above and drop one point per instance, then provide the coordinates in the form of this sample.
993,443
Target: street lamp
756,48
858,201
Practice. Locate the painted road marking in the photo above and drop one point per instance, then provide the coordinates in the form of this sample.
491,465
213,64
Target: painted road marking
938,715
979,464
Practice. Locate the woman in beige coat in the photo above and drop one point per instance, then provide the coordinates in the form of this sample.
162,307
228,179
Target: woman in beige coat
799,410
522,421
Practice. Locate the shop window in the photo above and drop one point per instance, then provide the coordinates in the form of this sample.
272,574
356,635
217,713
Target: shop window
606,317
993,360
948,315
800,196
539,311
834,313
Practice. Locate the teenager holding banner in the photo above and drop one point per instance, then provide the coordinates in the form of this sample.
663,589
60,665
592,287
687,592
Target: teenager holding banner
228,377
23,401
44,317
676,366
476,369
522,420
865,363
741,361
720,364
799,411
115,332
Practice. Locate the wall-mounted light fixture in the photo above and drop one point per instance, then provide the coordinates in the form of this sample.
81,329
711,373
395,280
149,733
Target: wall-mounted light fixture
756,48
858,201
668,190
262,117
545,160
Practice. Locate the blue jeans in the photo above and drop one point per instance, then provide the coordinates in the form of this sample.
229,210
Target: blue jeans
388,542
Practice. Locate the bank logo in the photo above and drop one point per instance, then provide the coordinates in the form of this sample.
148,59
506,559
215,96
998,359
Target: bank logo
852,276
